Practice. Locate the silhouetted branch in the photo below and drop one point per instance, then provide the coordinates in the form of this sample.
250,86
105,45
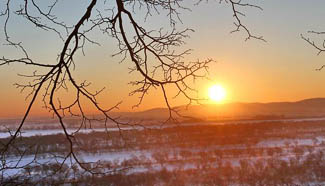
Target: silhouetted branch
153,53
320,48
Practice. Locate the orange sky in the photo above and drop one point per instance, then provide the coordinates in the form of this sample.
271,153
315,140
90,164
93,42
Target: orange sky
283,69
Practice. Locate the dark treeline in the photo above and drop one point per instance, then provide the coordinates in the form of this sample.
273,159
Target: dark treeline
204,136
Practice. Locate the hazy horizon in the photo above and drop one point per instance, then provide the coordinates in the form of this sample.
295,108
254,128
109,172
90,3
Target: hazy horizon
42,115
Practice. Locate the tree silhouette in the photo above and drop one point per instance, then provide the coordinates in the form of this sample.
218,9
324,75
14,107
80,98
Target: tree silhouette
152,53
318,45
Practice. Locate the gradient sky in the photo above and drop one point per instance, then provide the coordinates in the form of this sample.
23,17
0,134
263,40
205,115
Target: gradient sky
282,69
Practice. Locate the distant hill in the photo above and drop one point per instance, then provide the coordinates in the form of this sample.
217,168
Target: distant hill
314,107
306,108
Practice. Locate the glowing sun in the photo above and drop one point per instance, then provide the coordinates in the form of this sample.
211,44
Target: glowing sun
217,93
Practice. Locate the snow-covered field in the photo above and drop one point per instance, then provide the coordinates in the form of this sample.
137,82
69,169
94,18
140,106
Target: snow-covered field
42,132
193,147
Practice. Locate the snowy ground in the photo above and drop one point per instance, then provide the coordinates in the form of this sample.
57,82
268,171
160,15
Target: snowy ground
307,142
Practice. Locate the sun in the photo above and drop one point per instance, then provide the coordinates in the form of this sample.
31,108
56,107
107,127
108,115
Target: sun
217,93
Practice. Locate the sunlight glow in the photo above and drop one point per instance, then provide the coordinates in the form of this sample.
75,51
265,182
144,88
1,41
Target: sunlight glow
217,93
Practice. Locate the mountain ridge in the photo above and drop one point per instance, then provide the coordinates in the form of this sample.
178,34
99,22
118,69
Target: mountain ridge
312,107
